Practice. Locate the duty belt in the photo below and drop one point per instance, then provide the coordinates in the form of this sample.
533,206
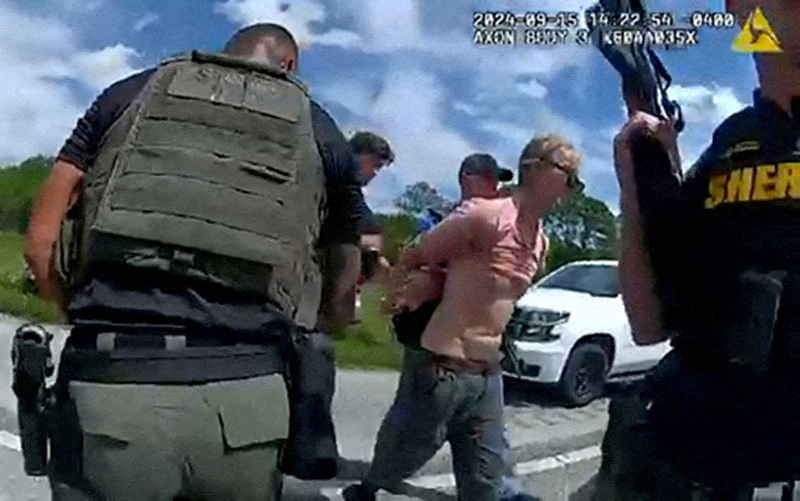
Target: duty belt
463,365
111,341
110,357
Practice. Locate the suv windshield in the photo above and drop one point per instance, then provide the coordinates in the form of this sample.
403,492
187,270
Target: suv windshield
594,279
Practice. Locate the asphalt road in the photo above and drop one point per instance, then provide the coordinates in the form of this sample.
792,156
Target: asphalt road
555,449
537,427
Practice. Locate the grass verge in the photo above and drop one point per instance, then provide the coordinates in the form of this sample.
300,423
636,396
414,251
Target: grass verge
14,298
368,345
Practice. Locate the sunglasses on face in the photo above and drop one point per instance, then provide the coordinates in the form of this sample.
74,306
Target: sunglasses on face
573,181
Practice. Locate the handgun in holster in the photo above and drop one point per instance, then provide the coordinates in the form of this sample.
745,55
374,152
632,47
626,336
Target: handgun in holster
32,363
746,340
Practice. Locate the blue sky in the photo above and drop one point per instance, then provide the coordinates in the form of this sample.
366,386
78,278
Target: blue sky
404,68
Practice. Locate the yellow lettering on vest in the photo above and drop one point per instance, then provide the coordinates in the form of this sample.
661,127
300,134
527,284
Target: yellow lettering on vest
716,190
792,170
740,184
764,186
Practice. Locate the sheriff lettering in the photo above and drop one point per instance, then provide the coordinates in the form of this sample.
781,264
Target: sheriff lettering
757,183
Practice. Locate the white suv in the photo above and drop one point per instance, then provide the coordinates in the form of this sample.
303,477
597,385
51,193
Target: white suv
570,329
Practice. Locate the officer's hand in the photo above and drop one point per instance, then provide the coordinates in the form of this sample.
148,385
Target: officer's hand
641,125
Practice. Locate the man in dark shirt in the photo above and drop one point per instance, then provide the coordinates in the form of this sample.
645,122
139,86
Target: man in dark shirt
117,298
125,440
372,153
720,410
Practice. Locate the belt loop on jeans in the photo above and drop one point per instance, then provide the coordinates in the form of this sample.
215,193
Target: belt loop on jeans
174,342
105,341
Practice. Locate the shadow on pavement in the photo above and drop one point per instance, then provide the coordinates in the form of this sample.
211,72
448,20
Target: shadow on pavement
426,494
524,394
584,492
353,471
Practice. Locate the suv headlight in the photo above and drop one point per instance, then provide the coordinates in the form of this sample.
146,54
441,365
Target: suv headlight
533,324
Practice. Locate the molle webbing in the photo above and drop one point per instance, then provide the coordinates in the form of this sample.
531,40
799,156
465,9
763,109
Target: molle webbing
212,173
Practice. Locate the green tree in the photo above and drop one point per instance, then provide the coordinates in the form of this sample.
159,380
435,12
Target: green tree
580,227
418,197
397,229
19,185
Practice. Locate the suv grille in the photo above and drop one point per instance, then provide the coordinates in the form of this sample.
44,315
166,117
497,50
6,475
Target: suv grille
534,324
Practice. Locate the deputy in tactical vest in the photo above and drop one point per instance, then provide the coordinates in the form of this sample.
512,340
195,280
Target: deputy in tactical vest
721,410
199,195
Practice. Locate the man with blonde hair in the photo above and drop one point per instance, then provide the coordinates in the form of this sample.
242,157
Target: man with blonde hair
491,249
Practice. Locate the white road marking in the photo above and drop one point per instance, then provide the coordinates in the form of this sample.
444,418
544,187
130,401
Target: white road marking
10,441
333,493
557,461
447,481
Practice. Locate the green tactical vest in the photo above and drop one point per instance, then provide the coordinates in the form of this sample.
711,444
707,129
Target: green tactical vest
213,174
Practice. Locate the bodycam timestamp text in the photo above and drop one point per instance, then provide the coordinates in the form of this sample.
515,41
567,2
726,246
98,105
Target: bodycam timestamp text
564,28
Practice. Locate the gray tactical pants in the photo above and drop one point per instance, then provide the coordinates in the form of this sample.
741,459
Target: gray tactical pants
218,440
434,405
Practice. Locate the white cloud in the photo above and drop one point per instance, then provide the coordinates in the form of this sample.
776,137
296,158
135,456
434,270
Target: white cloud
704,108
409,111
506,94
708,105
82,6
355,97
387,26
467,108
514,134
39,108
414,107
533,89
411,107
105,66
296,16
340,38
145,21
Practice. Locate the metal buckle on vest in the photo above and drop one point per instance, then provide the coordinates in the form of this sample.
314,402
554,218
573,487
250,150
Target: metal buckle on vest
174,342
105,341
183,257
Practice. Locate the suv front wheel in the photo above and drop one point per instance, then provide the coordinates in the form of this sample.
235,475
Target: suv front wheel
584,375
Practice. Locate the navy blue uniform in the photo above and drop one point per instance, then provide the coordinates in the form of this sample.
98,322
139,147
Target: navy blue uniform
721,409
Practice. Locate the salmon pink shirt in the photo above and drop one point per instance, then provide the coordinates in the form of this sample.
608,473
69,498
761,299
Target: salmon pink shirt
490,257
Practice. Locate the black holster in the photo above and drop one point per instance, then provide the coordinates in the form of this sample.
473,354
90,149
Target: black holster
409,325
747,339
723,426
32,364
311,451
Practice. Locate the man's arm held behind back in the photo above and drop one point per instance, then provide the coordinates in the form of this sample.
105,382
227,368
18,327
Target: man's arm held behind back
452,237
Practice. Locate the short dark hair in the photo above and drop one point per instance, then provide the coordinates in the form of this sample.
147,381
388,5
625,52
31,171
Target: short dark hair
364,142
483,164
244,41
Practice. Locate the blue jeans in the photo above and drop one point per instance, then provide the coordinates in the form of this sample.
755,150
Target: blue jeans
510,488
434,405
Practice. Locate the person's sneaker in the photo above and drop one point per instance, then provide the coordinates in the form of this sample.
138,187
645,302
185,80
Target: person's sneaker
519,496
357,492
511,490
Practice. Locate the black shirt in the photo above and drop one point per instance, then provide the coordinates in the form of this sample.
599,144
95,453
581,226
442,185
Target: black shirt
738,208
733,189
117,298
